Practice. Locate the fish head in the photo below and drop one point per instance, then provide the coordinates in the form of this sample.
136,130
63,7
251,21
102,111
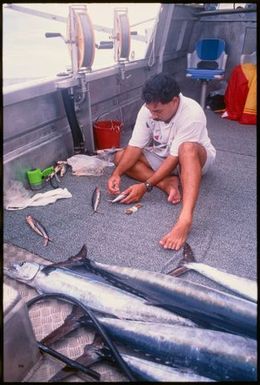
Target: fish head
22,271
29,219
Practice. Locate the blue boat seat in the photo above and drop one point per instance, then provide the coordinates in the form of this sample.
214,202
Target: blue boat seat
207,62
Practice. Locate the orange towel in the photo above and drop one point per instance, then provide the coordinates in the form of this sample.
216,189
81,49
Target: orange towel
240,95
249,112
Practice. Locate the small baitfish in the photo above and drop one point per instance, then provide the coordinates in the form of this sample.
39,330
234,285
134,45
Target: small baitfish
38,228
118,198
96,198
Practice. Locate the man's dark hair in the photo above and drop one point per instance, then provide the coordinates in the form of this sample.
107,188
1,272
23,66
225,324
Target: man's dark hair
160,88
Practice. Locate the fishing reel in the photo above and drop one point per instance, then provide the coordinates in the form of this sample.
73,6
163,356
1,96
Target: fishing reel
81,43
81,40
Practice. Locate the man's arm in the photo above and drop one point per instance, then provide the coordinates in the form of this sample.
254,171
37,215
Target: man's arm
129,158
166,168
136,191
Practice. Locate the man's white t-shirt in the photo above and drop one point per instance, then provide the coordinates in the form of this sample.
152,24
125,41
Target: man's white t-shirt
188,125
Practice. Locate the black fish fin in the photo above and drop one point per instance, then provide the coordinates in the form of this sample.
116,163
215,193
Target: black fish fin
81,257
82,254
187,256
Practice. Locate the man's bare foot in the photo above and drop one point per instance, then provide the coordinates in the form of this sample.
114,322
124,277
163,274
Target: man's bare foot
176,238
170,185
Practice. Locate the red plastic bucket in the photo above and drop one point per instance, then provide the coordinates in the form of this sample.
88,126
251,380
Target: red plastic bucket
107,134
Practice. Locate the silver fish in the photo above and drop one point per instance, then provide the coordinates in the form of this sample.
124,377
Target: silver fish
91,291
142,368
38,228
152,371
118,198
245,287
207,306
96,197
218,355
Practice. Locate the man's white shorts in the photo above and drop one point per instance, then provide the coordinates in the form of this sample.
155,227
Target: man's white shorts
155,160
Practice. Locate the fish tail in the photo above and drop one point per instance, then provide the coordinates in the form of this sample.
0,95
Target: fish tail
82,254
97,212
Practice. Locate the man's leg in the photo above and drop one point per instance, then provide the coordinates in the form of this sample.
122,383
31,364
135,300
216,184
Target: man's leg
192,157
142,170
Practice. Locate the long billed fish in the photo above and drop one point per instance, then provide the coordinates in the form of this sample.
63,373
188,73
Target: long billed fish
206,306
91,290
218,355
245,287
38,228
142,368
145,370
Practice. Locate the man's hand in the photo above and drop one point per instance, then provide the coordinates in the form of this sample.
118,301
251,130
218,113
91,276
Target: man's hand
134,193
113,184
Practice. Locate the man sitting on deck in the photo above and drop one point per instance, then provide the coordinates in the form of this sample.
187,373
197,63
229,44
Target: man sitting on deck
169,141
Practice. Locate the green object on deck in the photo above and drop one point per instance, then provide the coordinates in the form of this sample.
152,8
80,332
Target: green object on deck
47,171
36,177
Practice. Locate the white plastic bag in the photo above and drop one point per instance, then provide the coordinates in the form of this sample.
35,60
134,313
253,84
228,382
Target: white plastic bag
18,198
87,165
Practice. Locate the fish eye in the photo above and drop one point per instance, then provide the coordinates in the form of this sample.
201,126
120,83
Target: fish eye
21,263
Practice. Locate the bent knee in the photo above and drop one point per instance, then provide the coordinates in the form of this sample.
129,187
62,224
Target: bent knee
117,157
187,147
191,148
194,150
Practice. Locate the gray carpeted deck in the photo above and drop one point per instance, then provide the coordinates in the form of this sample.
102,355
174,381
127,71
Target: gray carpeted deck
223,233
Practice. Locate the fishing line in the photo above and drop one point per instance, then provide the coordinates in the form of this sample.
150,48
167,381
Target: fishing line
98,326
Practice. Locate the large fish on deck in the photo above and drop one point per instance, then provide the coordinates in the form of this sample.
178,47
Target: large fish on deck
217,355
91,290
245,287
145,370
204,305
142,368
